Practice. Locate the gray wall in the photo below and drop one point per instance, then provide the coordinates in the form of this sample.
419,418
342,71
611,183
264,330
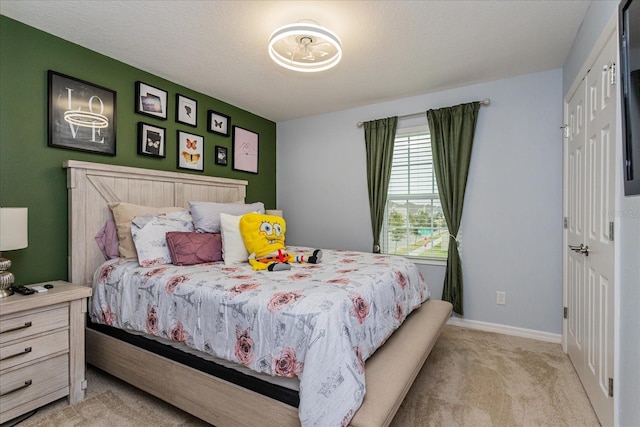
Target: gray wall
627,303
627,232
592,25
512,223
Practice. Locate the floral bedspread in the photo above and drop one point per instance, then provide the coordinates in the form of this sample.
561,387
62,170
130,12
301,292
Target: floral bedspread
319,322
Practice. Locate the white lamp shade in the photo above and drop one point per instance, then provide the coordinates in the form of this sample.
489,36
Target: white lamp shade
13,228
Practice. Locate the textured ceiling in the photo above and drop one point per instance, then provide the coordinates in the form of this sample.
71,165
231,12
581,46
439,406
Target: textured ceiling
392,49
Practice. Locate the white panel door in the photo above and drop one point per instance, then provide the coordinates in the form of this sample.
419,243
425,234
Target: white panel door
576,195
601,137
589,261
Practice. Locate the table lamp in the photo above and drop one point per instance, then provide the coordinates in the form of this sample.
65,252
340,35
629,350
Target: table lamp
13,235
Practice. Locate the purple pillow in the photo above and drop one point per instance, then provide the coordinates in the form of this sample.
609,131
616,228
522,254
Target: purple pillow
188,248
107,240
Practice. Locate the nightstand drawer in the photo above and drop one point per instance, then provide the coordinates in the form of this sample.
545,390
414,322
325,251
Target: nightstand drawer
33,322
42,348
33,382
13,354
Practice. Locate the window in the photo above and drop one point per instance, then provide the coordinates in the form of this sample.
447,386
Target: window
414,223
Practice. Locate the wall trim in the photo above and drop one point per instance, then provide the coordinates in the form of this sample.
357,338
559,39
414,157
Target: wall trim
505,329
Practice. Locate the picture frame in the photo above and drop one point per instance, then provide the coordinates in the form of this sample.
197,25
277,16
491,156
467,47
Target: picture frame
190,151
151,140
81,116
151,101
186,110
221,155
245,150
218,123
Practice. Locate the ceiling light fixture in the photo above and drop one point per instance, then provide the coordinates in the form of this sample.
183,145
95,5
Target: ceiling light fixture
305,46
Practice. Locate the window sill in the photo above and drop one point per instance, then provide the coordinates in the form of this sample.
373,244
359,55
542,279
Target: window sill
428,261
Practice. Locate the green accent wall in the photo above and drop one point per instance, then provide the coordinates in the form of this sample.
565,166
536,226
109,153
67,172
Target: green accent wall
31,173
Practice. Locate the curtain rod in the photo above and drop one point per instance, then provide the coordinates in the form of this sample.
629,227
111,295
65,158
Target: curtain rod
485,101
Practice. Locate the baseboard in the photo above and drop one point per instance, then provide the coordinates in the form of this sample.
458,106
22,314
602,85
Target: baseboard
506,330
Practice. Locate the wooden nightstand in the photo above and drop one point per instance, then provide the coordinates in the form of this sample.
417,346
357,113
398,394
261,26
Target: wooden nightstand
42,348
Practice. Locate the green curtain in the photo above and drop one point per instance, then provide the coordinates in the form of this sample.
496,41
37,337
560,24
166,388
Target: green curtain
379,137
452,131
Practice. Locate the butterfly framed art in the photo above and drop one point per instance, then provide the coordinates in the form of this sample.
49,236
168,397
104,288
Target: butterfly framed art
218,123
151,140
186,110
190,151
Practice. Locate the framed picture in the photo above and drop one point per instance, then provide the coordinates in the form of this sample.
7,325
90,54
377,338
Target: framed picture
151,140
221,155
82,116
245,150
186,110
190,151
218,123
151,101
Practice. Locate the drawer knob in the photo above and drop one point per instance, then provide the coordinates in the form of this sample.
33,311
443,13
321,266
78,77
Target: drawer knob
26,350
25,326
20,387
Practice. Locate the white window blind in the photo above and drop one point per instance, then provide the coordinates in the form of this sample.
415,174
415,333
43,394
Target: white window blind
414,223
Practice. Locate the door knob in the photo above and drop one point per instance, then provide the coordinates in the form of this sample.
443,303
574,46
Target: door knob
582,249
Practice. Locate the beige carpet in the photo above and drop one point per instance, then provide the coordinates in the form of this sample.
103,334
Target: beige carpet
471,378
477,379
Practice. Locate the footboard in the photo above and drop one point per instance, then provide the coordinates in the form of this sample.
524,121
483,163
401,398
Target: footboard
390,372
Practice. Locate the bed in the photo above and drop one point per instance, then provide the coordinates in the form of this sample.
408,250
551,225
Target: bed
220,399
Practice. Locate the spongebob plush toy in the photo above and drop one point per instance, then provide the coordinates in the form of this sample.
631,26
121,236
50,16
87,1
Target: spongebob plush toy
263,236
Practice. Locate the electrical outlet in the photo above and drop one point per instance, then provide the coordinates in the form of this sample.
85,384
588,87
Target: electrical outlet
501,298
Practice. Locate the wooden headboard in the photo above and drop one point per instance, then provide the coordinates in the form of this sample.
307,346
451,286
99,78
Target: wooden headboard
91,186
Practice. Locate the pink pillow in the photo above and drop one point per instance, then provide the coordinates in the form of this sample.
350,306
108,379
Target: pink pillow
188,248
107,240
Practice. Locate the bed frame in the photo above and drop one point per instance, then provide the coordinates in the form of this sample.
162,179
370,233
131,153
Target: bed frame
389,372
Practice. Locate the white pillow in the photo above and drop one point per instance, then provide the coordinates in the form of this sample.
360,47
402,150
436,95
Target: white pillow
149,235
233,250
206,215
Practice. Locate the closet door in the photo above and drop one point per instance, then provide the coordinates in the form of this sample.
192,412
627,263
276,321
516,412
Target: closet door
601,139
575,193
590,203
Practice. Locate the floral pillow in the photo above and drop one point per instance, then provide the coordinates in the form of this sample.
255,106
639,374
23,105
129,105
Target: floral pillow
123,213
149,235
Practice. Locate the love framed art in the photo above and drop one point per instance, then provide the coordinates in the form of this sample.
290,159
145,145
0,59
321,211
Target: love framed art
190,151
82,115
